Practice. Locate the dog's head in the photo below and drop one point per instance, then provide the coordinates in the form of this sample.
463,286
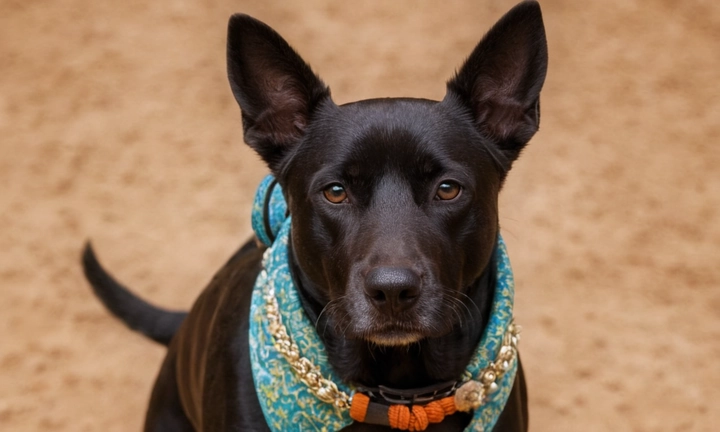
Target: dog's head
394,201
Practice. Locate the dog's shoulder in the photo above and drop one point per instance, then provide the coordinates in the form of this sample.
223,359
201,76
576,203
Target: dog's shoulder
227,296
211,347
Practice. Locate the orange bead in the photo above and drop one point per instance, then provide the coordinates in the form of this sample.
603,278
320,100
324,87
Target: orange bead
359,407
448,405
419,420
399,417
435,412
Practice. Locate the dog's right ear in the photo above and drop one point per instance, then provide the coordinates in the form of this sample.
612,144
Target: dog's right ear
276,90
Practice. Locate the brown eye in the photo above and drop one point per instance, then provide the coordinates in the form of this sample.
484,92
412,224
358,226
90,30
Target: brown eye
447,190
335,193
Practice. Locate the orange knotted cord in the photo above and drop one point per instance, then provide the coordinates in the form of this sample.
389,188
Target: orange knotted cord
399,416
417,418
437,410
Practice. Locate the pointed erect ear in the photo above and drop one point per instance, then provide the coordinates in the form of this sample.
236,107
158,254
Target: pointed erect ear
277,91
501,80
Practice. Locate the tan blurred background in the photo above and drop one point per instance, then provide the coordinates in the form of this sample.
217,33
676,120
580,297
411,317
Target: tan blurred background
117,124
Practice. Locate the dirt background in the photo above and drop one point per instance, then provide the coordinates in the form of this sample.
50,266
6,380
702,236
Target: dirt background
117,124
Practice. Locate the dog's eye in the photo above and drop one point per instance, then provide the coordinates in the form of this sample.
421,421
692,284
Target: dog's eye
335,193
448,190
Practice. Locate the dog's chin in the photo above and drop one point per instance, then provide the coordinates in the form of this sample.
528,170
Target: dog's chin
394,338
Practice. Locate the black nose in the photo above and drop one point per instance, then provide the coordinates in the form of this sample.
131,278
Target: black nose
392,289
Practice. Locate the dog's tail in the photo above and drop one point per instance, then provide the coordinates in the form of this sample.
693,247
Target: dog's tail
156,323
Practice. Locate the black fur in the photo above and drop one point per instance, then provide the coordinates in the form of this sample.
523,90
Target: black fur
395,220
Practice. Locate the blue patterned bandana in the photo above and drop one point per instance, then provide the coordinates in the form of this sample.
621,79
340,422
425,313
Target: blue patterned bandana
286,401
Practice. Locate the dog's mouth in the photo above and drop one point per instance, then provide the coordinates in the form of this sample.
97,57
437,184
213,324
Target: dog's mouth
394,335
374,328
394,332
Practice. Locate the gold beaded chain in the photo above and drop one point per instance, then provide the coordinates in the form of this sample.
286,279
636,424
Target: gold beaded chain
325,390
473,393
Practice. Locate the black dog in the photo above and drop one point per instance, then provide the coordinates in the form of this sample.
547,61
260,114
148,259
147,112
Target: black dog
395,220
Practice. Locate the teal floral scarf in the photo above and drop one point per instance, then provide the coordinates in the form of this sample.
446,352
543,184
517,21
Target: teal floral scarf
287,403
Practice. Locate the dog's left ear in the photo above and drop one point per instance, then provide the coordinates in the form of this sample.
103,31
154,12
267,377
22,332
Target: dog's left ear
276,90
501,80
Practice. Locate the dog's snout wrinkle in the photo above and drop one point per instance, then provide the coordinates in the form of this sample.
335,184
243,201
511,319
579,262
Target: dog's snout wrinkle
392,289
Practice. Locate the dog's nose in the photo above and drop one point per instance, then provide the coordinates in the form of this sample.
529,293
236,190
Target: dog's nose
392,289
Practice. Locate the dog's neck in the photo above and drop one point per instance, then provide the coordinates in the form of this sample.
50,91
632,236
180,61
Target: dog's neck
421,364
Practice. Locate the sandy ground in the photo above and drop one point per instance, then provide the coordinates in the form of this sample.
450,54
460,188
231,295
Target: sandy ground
117,124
